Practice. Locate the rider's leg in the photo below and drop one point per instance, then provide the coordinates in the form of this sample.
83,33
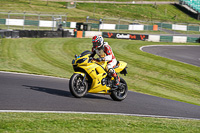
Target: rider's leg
117,79
111,70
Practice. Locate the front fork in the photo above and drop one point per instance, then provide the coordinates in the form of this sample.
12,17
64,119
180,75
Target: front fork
84,76
83,81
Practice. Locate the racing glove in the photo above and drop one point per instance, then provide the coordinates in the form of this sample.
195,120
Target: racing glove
100,59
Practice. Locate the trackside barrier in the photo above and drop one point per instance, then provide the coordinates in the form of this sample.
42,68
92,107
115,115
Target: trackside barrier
179,27
9,34
193,40
107,26
33,34
45,23
173,39
90,34
179,39
193,28
166,38
134,27
152,38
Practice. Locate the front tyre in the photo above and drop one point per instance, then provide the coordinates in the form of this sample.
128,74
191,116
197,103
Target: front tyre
120,93
76,86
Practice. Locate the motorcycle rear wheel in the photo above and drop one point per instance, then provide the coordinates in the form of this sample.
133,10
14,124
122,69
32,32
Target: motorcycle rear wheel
120,93
76,86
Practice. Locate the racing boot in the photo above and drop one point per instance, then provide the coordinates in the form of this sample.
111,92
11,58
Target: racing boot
116,82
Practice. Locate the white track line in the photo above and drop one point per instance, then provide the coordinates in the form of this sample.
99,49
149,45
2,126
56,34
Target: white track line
101,113
26,74
168,45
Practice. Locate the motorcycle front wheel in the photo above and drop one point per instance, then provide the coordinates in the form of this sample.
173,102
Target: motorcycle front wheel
76,86
120,93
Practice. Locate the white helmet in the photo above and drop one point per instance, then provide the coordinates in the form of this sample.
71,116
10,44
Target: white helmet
97,41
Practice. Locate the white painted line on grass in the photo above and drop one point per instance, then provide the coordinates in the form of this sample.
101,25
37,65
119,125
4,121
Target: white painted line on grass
100,113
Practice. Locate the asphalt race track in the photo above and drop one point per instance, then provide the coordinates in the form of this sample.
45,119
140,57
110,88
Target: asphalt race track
38,93
187,54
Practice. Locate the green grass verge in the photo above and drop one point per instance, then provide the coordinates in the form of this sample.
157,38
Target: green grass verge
82,10
147,73
64,123
139,12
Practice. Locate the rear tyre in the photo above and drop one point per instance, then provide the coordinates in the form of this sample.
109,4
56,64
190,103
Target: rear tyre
76,86
120,93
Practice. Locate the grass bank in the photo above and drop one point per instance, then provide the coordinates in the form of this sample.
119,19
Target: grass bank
147,73
148,12
64,123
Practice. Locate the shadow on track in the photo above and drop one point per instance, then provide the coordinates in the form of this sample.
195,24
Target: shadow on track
50,91
61,92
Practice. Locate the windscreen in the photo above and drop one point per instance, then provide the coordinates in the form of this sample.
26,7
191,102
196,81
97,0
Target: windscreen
85,53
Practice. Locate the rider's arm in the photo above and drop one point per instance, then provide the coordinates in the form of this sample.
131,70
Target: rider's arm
93,54
108,52
108,58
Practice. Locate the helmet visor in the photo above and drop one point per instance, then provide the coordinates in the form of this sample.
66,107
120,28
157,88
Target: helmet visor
96,44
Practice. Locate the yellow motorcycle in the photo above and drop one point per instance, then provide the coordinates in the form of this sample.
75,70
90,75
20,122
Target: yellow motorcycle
90,76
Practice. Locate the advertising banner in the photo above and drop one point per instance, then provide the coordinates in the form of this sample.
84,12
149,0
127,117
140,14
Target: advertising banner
125,36
109,35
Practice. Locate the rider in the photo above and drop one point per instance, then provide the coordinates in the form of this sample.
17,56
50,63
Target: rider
105,53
